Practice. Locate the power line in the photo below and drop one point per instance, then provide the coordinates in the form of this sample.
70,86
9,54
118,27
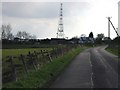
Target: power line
114,28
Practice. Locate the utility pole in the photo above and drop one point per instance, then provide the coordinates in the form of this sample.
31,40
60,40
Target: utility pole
109,26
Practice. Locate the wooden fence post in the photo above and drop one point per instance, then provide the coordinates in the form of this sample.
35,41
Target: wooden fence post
55,52
43,56
58,51
13,68
36,59
31,59
49,56
42,53
24,63
61,49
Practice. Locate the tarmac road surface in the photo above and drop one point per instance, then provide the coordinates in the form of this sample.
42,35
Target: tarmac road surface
93,68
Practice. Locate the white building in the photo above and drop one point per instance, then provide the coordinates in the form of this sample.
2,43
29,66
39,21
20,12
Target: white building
119,17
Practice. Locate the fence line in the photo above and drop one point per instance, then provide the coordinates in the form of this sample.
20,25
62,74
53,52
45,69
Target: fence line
32,61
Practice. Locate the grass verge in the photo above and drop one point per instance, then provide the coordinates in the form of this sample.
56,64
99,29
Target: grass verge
113,51
44,76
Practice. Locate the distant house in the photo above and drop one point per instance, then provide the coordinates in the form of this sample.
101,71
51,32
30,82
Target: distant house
74,41
86,40
20,40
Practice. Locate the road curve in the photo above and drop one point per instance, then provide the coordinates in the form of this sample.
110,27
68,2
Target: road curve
104,67
93,68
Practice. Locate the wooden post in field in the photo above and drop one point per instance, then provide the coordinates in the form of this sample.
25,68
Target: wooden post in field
31,59
42,53
58,51
52,52
24,63
49,56
55,52
36,60
61,49
43,56
13,68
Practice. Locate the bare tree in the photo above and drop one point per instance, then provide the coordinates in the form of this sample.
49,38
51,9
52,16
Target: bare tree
32,36
25,35
3,32
11,36
19,34
6,31
22,35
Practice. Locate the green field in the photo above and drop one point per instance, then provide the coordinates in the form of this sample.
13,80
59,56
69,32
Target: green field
16,52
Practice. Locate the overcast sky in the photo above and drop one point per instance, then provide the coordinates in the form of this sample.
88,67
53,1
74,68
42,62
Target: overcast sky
79,17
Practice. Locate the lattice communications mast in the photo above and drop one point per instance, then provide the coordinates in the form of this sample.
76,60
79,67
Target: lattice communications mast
60,31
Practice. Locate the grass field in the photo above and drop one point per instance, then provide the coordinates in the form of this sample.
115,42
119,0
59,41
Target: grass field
16,52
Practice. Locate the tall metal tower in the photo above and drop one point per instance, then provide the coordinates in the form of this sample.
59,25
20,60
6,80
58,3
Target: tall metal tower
60,32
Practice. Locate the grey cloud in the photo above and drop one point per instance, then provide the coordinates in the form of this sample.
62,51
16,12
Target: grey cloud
42,10
30,10
75,8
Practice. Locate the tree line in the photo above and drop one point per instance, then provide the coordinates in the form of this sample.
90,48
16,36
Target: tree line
8,35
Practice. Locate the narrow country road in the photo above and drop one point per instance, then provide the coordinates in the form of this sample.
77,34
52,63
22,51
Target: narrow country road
104,67
93,68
